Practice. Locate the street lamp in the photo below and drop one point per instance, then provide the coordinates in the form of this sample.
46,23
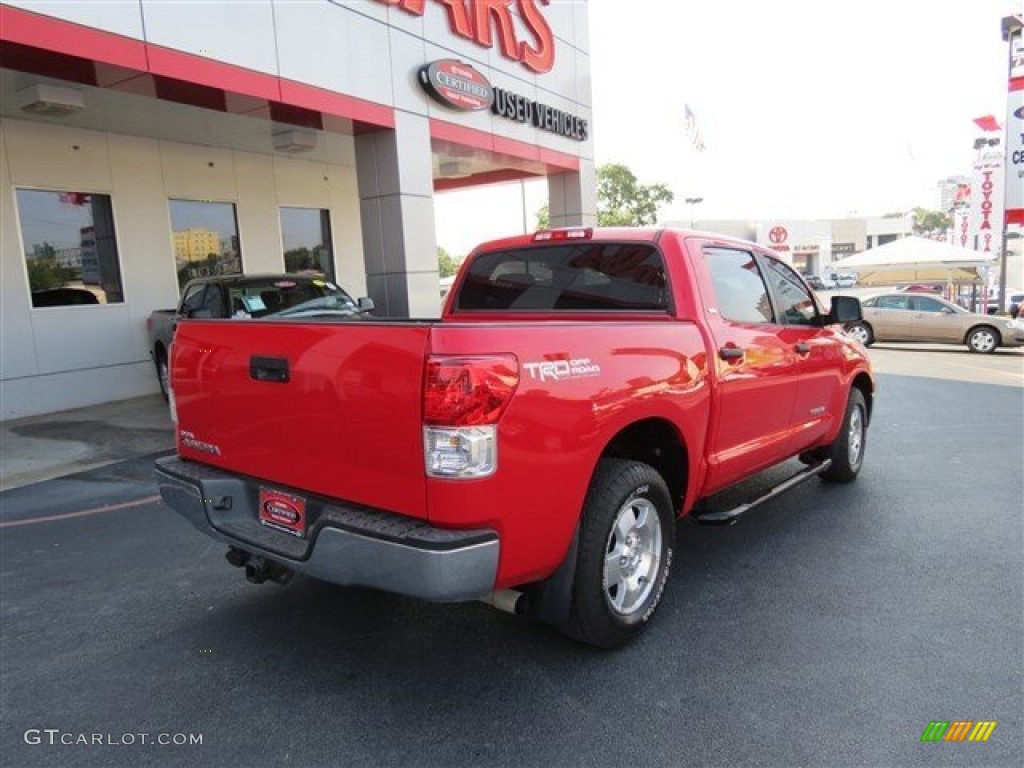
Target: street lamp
692,201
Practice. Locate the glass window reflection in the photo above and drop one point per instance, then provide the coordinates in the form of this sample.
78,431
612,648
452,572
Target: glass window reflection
70,249
205,239
306,233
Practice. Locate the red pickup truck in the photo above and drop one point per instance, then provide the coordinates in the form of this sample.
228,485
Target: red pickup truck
534,447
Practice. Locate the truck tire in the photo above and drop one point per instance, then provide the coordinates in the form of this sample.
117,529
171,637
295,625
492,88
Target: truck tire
627,534
847,452
162,373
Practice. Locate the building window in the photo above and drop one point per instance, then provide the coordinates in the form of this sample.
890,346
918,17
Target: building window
70,249
205,239
306,233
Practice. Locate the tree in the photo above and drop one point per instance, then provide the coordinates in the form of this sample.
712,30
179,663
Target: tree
930,222
925,222
621,200
44,274
446,265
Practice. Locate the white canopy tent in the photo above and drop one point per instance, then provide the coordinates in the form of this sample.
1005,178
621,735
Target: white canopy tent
916,259
915,253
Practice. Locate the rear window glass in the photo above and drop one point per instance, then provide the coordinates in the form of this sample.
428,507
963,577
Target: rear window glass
570,277
259,299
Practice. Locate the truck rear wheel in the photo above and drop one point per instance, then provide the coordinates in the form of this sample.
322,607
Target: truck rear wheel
625,554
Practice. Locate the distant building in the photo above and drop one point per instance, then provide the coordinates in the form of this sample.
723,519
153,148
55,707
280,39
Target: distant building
196,244
810,245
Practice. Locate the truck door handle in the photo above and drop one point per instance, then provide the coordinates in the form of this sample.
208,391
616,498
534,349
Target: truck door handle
802,348
272,369
730,353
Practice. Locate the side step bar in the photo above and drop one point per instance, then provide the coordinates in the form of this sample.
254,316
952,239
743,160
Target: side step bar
730,516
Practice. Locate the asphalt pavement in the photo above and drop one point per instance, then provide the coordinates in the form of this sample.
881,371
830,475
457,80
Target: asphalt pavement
829,627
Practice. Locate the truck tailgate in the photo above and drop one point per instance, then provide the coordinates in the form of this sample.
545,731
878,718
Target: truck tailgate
334,410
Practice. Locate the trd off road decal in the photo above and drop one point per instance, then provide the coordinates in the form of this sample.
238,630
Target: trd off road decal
558,370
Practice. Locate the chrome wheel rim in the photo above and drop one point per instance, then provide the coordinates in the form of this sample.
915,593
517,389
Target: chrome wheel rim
855,437
162,373
632,556
983,341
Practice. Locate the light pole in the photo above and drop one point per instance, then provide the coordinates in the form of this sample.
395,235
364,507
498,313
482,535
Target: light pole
692,201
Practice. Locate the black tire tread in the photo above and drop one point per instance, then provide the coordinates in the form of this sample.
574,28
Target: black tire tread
838,452
614,479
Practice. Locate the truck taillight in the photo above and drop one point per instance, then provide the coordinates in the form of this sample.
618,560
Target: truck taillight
463,399
468,391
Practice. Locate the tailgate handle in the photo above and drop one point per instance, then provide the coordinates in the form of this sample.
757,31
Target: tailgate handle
273,369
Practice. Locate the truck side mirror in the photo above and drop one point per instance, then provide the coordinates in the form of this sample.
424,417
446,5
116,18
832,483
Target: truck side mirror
845,309
366,304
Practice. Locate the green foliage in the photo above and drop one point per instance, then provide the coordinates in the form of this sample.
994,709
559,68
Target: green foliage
300,259
544,217
622,201
44,274
930,222
446,265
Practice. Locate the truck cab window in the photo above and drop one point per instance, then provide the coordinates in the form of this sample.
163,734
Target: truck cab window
741,295
576,277
797,306
193,299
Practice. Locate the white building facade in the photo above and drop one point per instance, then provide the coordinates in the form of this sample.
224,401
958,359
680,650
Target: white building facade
144,143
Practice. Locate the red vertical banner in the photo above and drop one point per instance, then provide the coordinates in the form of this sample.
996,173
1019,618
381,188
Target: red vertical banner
987,185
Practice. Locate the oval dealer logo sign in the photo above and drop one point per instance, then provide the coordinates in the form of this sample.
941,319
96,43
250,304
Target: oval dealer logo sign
457,85
281,511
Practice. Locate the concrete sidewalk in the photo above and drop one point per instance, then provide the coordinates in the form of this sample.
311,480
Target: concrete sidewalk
56,444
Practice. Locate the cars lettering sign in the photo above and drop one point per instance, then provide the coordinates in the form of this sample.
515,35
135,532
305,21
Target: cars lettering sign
456,85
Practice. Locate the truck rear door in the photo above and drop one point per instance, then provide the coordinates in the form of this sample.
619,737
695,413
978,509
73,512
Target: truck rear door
335,410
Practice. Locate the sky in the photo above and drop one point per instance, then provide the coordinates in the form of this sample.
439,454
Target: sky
807,109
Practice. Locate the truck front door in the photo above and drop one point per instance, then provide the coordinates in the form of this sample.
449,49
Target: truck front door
756,368
819,355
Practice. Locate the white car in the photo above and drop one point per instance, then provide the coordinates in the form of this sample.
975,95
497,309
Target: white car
844,279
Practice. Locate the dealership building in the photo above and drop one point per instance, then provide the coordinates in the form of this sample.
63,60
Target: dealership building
144,143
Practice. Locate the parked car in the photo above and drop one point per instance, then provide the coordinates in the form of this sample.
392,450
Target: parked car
1014,302
243,296
843,279
815,282
532,448
921,288
905,316
62,297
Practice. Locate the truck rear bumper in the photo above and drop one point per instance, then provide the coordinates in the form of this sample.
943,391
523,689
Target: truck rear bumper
344,544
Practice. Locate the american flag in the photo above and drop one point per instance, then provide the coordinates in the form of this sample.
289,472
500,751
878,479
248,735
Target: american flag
693,130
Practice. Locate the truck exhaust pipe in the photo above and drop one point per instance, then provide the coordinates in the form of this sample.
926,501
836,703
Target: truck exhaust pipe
508,600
